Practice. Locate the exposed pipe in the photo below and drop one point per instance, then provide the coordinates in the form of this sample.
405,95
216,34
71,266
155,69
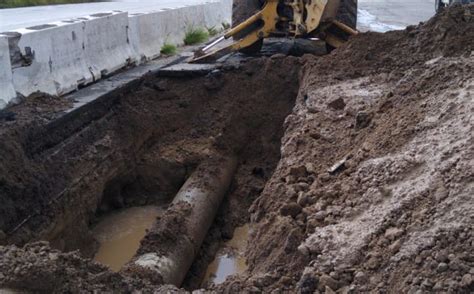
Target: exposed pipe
202,195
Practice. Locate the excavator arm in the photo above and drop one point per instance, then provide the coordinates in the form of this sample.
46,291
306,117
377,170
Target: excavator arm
281,18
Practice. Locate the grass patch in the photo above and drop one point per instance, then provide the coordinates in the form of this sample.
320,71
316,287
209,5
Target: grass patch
168,49
226,25
196,36
23,3
212,31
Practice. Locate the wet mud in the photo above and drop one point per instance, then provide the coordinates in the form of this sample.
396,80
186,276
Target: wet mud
119,234
230,258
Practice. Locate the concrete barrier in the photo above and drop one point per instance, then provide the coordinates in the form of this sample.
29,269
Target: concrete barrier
217,14
60,57
149,31
57,64
106,43
7,92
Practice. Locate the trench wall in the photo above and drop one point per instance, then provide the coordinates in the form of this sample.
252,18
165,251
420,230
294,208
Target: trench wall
60,57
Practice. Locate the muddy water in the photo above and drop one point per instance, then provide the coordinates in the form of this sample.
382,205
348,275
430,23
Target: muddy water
230,258
119,234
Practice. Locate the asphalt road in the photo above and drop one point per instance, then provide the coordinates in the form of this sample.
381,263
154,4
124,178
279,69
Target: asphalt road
376,15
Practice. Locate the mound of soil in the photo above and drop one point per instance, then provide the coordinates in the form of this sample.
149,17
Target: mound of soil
374,188
370,191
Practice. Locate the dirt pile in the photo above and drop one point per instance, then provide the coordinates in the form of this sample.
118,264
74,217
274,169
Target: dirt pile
373,190
370,191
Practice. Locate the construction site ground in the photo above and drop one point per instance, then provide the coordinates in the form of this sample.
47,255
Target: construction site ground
355,169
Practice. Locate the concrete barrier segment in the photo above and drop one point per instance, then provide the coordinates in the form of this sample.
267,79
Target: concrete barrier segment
107,45
7,91
49,59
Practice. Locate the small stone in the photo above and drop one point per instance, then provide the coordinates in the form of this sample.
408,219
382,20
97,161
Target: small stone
418,260
265,281
442,267
328,281
302,199
427,284
304,250
375,279
362,120
17,270
286,280
310,168
324,177
278,56
393,233
53,256
337,104
417,281
438,286
441,257
308,283
467,280
291,209
254,289
328,290
345,290
395,246
360,277
373,263
320,215
301,186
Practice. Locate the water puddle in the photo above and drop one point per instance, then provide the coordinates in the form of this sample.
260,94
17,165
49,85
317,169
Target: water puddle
230,258
119,234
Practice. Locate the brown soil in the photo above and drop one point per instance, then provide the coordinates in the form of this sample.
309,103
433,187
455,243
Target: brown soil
364,185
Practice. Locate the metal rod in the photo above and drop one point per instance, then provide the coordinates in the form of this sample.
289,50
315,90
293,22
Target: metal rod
213,44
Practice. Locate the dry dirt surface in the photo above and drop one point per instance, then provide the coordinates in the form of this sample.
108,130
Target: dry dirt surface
372,190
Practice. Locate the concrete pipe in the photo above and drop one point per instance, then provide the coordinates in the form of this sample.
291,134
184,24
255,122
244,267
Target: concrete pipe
200,198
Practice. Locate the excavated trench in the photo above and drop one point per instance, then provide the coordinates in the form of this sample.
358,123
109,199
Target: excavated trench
109,172
368,192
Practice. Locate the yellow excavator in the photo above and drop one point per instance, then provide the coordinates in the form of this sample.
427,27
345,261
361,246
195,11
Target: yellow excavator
332,21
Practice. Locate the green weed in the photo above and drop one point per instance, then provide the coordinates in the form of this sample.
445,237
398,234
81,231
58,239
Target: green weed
212,31
168,49
196,36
